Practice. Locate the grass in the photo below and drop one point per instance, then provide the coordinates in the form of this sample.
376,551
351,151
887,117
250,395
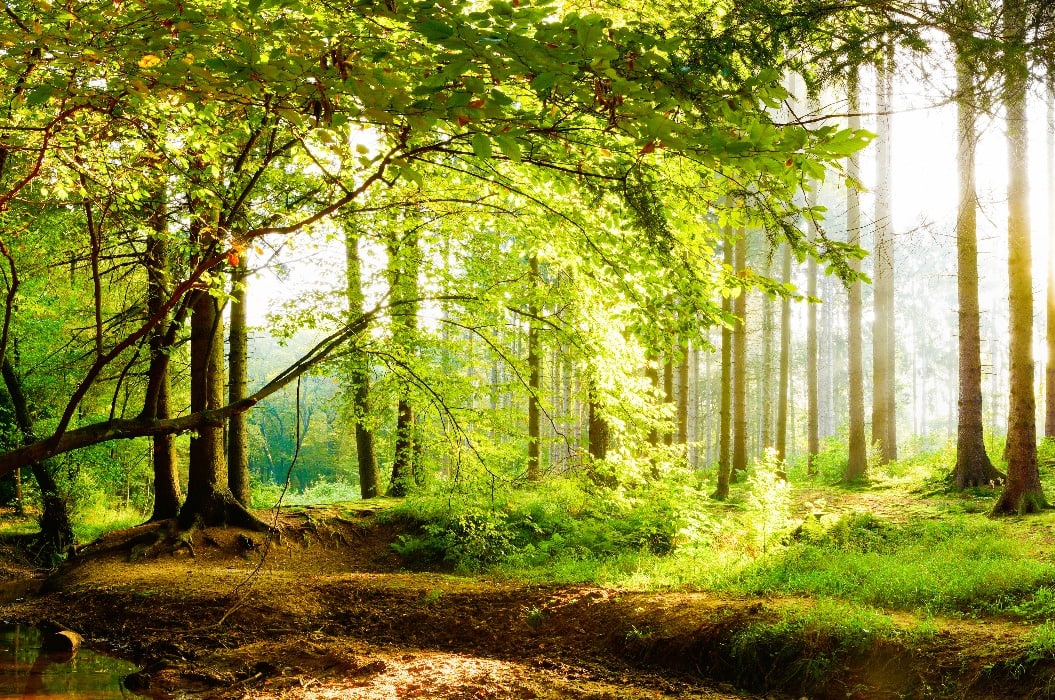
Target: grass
900,541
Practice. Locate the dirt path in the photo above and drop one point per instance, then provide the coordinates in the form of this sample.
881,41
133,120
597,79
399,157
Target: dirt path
330,614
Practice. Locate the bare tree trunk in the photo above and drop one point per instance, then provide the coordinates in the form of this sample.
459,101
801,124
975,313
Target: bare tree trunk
857,464
884,421
167,492
725,402
366,454
209,498
785,358
683,397
813,442
740,362
238,385
534,468
1023,492
973,467
668,393
1049,380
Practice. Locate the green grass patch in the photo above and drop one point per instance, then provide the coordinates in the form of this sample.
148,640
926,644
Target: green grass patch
95,520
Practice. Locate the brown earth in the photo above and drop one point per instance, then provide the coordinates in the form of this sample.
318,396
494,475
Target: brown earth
329,613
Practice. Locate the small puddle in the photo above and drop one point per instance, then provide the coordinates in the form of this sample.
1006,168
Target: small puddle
28,672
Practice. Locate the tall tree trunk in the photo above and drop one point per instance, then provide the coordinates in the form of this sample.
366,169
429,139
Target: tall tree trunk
209,498
534,358
1049,379
56,530
973,467
366,454
785,358
725,401
1023,492
765,393
813,442
238,385
404,261
740,362
857,463
884,422
668,393
683,397
167,492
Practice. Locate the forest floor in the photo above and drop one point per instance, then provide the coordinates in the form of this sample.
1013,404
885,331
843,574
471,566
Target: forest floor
329,612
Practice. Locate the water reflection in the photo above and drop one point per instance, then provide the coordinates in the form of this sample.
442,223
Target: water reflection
27,671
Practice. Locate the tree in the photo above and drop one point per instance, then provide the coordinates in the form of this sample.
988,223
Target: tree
785,357
238,383
1023,492
857,464
973,466
167,492
1049,378
740,360
726,381
884,413
812,394
359,374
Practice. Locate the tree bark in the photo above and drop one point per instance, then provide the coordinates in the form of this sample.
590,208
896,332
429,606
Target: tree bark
209,498
973,466
857,462
785,359
534,360
683,397
403,281
238,385
725,396
1023,492
167,492
1049,379
366,454
668,393
813,442
740,362
884,421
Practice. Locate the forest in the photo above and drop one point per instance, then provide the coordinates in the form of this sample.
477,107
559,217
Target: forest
530,348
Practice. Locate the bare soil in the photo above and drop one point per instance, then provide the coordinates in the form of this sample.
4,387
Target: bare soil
329,612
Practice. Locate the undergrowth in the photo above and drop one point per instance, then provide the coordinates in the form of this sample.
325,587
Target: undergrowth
913,545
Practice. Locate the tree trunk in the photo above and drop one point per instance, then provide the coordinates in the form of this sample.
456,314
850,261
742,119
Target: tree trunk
813,442
725,402
884,421
740,362
598,429
668,393
534,359
683,398
973,467
167,492
56,530
403,281
785,358
765,392
366,455
209,498
1049,379
238,385
857,463
1023,492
